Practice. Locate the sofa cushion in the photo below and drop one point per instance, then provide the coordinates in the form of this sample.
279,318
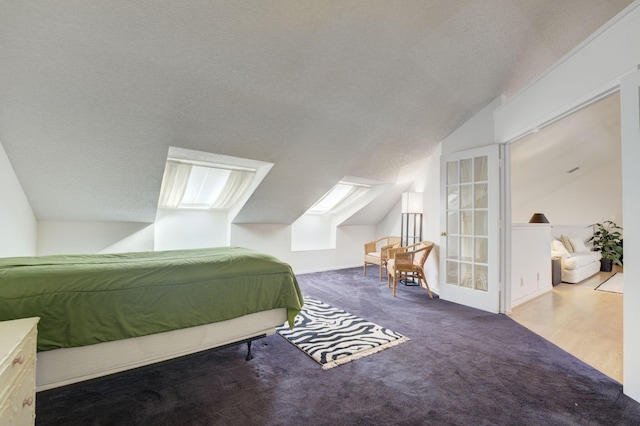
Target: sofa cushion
567,243
578,260
557,246
578,245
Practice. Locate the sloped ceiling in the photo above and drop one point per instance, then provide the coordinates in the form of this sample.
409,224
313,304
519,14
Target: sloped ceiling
565,151
92,94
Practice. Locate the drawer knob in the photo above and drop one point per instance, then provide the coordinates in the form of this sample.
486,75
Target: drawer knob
19,360
28,402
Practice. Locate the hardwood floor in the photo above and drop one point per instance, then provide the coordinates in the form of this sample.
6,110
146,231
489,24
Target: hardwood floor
583,322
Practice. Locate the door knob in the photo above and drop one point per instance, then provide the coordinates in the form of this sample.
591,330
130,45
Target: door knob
443,234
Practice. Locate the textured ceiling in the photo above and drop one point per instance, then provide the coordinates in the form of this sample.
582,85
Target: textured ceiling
92,94
588,139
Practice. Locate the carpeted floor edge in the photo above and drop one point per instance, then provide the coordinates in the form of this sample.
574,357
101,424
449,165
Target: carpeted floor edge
364,353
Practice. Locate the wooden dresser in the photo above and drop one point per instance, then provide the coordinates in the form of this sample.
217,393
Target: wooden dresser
18,371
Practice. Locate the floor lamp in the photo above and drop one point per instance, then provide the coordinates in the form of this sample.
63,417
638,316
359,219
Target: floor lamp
411,223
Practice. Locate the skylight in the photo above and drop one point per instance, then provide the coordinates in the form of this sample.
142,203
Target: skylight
196,185
340,196
204,186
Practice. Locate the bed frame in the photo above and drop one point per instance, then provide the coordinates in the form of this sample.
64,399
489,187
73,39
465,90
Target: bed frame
107,313
60,367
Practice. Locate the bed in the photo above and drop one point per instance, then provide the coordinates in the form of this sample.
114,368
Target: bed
106,313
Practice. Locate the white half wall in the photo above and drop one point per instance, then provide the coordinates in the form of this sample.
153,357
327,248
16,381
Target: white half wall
276,241
312,232
198,230
18,226
93,237
190,229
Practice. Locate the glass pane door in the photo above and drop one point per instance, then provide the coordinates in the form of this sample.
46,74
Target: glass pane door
467,223
470,231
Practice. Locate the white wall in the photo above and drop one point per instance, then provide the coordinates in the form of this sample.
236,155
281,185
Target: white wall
429,184
573,231
190,229
585,73
594,68
56,237
197,229
475,132
18,225
427,181
390,225
276,241
587,200
630,101
312,232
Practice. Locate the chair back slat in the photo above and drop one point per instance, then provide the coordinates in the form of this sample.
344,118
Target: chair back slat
408,262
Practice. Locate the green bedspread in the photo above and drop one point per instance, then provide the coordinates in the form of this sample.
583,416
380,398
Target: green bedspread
87,299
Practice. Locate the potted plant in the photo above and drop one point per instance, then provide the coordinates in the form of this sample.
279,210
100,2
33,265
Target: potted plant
607,239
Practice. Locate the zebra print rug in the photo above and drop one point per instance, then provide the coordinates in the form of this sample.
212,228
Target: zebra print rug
333,337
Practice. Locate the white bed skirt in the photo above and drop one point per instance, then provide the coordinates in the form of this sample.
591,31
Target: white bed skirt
65,366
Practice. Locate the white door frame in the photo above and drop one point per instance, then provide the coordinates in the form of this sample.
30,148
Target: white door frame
631,344
630,134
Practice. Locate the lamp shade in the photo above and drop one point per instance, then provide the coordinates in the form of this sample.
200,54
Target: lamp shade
538,218
412,202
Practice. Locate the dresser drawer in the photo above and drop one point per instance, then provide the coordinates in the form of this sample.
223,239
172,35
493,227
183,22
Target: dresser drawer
24,398
5,414
18,340
18,360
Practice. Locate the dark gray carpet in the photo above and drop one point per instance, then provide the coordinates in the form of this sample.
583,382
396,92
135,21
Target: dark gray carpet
461,367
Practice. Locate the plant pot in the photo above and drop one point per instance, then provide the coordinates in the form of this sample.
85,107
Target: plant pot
606,265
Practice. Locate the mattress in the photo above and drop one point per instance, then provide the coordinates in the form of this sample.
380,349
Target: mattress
88,299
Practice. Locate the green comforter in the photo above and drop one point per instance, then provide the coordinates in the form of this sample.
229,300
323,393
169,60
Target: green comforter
87,299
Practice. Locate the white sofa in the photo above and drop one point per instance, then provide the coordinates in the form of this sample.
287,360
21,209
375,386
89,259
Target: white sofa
577,261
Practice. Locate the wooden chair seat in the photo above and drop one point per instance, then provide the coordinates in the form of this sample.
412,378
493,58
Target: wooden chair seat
408,263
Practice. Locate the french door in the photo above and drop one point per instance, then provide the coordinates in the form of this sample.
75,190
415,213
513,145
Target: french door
470,233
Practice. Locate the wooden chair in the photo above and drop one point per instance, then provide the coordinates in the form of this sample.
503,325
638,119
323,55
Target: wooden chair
376,252
408,263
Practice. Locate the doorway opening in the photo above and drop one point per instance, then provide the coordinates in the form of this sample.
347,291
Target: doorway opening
571,170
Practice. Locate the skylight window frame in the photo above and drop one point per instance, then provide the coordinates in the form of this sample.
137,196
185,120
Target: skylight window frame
343,202
215,165
227,197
